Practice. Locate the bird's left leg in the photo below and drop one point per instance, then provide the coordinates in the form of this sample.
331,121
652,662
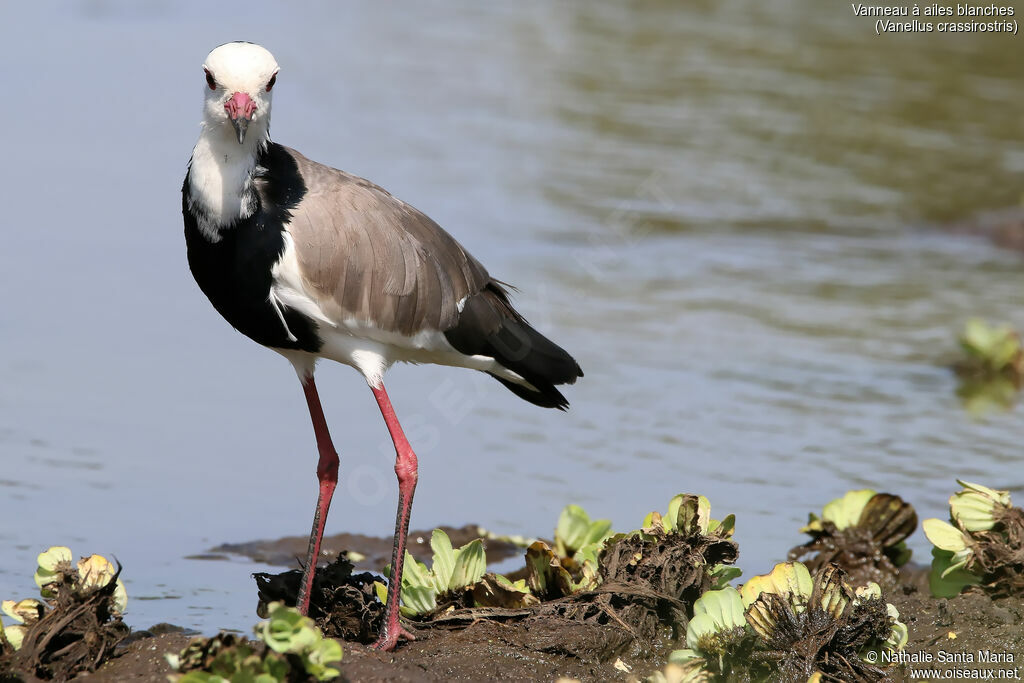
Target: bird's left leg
406,469
327,476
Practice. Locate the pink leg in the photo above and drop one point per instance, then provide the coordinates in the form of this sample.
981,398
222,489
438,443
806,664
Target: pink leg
327,475
405,468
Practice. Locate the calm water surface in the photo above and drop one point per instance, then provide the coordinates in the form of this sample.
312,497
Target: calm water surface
724,209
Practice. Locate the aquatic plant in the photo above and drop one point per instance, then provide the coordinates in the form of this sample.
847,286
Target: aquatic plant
293,648
75,626
787,621
572,565
576,531
982,544
991,349
452,570
992,368
661,569
690,515
863,532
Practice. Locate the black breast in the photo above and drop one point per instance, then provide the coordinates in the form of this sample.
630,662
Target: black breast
235,271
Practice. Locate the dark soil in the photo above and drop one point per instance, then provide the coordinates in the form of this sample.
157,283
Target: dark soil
541,650
969,624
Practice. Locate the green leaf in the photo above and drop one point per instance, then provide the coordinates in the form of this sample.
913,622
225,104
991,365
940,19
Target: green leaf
700,627
120,598
724,528
845,512
978,337
444,560
899,635
649,520
598,531
1001,497
419,599
28,610
382,592
669,520
571,531
724,607
470,565
415,573
15,635
722,574
788,579
716,615
319,659
972,511
287,630
55,558
944,535
945,580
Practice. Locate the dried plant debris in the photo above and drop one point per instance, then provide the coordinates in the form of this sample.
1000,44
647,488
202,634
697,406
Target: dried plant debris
343,604
863,532
290,648
75,627
787,626
651,578
983,545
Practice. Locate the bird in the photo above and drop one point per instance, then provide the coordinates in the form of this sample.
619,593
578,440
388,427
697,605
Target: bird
316,263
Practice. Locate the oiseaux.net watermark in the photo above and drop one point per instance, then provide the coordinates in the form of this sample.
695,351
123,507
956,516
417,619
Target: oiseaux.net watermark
980,665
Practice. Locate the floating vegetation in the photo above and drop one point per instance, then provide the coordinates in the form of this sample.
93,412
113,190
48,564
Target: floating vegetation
75,627
992,368
289,648
863,532
787,624
982,545
991,350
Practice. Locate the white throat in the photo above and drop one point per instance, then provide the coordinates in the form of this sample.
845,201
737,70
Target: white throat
220,179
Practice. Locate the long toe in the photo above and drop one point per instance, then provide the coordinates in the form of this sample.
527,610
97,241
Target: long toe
387,641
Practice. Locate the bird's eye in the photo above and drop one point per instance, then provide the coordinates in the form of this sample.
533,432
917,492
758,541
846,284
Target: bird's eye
210,81
271,82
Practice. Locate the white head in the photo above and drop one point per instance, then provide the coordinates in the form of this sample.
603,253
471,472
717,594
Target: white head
239,80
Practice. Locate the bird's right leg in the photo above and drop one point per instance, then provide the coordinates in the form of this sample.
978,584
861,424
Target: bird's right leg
327,475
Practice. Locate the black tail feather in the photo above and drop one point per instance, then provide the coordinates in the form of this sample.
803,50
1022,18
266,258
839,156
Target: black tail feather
545,397
489,326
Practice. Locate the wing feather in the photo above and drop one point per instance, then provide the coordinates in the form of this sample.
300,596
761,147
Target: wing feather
367,256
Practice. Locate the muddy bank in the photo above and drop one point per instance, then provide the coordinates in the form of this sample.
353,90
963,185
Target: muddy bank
524,651
373,552
621,628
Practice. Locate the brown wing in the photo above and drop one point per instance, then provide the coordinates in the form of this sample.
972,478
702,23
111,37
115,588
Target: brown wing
366,255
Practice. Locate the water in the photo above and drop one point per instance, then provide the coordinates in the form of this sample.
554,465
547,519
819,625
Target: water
724,210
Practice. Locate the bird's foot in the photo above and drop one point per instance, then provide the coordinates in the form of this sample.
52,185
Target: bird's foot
389,638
